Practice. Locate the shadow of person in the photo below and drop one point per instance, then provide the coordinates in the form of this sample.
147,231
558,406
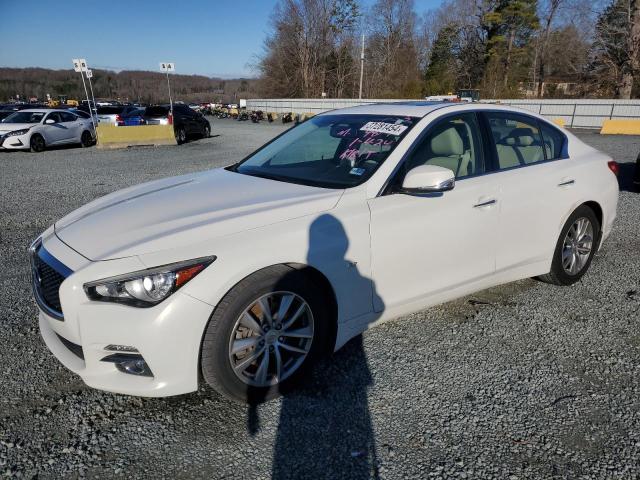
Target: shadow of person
325,428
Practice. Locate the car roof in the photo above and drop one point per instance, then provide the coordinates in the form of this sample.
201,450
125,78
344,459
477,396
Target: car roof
423,108
42,110
415,108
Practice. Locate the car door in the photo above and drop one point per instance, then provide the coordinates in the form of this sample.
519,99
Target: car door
54,132
190,120
72,127
535,185
425,245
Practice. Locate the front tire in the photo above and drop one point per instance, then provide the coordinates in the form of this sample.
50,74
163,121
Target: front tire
206,131
37,143
264,335
575,248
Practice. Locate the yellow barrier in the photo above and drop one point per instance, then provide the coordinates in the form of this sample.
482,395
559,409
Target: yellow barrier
559,122
620,127
111,136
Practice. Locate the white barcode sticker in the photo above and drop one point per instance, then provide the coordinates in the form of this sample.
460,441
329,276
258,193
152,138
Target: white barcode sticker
382,127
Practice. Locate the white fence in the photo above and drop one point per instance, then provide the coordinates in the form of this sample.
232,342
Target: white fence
583,113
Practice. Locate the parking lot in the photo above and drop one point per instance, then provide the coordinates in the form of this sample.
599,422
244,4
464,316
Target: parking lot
526,380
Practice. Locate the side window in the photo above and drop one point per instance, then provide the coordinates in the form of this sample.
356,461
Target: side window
518,140
453,143
68,117
553,141
55,116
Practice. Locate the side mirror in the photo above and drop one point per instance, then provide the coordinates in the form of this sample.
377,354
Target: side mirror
49,121
428,179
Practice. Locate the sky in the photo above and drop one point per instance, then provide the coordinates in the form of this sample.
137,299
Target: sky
205,37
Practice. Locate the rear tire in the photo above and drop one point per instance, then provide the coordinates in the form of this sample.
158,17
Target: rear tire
85,139
284,367
181,135
576,246
37,143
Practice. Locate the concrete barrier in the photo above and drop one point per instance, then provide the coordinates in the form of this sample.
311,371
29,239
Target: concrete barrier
620,127
111,136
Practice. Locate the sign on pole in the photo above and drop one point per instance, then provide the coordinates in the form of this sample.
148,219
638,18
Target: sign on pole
89,73
168,67
80,65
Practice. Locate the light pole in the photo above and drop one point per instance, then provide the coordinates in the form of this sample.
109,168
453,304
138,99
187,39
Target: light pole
80,65
89,74
361,67
168,67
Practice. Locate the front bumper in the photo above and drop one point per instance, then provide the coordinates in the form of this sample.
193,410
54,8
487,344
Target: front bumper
168,335
15,142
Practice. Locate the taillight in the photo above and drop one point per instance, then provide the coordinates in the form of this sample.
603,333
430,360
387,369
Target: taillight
614,167
118,118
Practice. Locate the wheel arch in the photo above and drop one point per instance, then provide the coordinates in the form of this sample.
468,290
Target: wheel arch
596,208
316,276
329,294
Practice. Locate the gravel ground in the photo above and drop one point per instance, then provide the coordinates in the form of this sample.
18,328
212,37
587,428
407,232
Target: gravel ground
522,381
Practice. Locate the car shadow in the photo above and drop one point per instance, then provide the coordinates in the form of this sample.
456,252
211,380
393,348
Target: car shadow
324,428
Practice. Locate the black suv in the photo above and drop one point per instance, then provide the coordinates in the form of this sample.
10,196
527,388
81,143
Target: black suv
186,122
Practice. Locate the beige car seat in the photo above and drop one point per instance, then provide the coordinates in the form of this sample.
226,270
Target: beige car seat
445,149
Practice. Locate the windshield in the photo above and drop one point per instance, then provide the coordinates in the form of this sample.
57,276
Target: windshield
24,117
329,151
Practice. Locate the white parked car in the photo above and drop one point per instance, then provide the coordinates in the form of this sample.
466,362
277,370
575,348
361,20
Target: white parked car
245,275
38,129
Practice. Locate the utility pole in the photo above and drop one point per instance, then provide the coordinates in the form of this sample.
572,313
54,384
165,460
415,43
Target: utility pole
361,67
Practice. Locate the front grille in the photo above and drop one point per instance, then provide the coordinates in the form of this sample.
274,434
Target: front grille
48,274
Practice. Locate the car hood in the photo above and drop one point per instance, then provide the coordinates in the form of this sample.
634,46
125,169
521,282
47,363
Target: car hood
183,210
10,127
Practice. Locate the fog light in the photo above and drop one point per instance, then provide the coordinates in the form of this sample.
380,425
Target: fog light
131,364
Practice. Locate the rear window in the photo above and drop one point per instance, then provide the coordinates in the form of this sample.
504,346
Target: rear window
157,111
110,110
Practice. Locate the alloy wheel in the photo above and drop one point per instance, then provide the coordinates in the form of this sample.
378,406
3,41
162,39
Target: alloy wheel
577,246
271,339
37,143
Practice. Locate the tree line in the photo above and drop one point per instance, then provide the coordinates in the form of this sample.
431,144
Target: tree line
504,48
126,86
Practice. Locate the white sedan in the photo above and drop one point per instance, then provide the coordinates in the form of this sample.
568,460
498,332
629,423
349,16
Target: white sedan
38,129
243,276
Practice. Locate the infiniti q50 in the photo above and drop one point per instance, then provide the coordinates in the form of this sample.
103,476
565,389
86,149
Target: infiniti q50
242,277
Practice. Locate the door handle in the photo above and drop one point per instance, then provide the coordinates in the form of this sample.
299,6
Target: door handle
566,183
488,203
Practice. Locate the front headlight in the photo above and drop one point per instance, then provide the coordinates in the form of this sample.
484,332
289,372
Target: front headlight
146,288
15,133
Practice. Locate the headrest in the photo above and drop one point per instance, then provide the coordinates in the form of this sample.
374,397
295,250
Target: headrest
526,140
447,142
521,137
